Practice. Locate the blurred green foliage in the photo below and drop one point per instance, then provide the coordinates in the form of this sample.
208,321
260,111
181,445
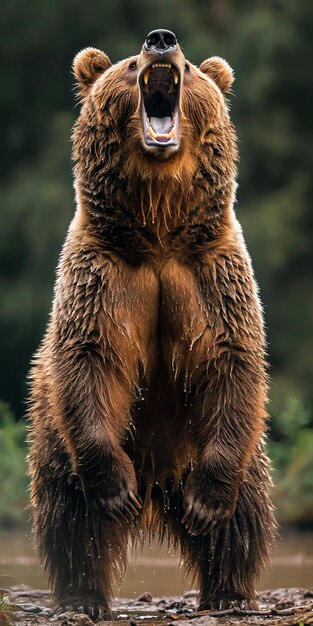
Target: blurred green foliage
13,479
269,45
292,457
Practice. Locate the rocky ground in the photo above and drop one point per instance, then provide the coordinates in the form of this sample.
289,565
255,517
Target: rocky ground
277,607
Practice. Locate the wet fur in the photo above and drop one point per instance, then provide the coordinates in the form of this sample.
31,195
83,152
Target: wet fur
150,381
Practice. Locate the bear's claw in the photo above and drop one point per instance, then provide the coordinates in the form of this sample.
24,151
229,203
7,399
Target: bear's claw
94,610
130,508
197,524
116,509
220,603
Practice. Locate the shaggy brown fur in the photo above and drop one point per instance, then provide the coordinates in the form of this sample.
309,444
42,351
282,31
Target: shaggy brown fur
149,389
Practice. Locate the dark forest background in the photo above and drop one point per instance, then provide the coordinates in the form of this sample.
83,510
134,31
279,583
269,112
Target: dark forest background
269,45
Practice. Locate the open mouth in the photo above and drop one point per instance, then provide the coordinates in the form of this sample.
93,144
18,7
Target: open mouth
160,84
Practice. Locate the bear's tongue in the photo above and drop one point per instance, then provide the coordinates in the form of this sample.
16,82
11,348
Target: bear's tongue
161,125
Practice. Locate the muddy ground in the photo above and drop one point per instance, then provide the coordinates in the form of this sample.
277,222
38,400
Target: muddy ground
277,607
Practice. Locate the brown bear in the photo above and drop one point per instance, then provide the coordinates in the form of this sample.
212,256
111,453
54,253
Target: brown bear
148,391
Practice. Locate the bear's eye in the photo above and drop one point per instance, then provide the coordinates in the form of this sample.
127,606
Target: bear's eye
133,65
187,67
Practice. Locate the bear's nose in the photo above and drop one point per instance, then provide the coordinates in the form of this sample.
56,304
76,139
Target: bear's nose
160,41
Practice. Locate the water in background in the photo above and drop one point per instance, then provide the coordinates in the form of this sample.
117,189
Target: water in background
157,570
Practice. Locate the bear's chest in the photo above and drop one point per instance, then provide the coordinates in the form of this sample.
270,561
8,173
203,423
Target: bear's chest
181,313
164,310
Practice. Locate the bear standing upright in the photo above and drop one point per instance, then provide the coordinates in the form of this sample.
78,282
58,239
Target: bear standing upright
148,392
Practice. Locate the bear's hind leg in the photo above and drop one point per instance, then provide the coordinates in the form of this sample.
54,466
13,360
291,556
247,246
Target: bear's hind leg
226,562
81,553
231,558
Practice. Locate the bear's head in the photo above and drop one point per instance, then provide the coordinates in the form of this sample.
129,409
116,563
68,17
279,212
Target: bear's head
153,115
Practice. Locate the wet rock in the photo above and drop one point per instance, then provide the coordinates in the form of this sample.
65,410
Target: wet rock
286,604
47,612
34,593
204,620
145,597
177,604
113,623
29,608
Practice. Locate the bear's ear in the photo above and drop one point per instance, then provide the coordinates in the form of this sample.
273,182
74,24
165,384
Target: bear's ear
219,70
88,65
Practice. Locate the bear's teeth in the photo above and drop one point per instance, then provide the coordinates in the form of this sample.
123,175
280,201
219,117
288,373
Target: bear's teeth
161,137
161,65
146,76
154,65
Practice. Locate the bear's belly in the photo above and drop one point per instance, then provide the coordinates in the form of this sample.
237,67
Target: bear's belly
159,443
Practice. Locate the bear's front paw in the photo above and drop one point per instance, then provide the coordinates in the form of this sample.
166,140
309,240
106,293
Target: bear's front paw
208,501
123,506
110,490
